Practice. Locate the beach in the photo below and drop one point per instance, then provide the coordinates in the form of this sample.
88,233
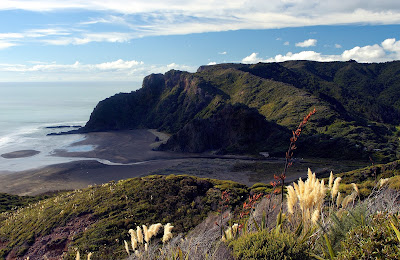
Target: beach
101,157
114,156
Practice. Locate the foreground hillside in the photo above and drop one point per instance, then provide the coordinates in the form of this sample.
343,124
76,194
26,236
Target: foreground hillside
344,221
98,218
358,108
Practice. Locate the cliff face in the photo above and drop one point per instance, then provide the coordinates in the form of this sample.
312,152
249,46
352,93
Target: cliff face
166,102
358,106
234,129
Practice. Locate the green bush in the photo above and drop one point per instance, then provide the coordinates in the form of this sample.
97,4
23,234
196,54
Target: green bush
268,245
375,241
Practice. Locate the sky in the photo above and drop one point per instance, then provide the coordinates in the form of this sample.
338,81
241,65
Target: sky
120,40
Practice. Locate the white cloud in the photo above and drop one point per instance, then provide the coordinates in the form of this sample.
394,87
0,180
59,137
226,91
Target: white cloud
388,50
212,63
5,45
6,36
252,58
304,55
365,54
391,45
91,37
286,43
157,17
118,70
222,53
118,65
338,46
307,43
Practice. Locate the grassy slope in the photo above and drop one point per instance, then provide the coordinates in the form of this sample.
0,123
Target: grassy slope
102,215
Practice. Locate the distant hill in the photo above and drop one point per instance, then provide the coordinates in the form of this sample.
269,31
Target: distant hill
358,108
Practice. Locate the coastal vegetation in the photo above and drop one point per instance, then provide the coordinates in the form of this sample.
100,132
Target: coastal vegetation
318,216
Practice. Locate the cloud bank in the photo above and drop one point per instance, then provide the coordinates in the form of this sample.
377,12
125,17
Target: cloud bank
119,70
141,18
388,50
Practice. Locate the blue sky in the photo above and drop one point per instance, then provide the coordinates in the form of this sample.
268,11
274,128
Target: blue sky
119,40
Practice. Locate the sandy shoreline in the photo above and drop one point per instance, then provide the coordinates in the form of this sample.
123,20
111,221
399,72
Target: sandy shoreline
133,147
129,154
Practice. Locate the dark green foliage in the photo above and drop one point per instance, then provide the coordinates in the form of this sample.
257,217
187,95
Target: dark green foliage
341,225
269,245
375,241
102,215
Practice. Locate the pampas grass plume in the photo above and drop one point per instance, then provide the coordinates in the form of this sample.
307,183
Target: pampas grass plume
167,232
339,199
78,256
146,233
383,182
89,255
315,216
330,181
127,247
355,187
291,198
139,234
347,199
335,188
134,241
153,230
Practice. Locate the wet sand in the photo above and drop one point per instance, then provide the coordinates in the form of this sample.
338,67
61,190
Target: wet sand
129,154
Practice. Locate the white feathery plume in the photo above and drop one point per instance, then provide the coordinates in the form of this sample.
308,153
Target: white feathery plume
167,232
330,180
139,234
335,188
126,247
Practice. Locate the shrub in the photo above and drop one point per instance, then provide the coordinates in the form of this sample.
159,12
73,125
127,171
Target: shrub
375,241
269,245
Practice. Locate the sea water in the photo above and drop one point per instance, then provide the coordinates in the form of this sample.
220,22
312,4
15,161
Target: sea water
28,109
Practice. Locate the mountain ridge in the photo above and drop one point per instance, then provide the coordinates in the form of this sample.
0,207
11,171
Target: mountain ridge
358,105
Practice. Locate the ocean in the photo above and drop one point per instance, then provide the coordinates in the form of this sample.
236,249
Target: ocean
28,109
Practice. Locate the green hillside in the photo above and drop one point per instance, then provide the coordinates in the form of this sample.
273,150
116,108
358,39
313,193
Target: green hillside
358,105
97,219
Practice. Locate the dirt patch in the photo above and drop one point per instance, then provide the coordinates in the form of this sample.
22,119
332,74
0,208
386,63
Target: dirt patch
54,245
